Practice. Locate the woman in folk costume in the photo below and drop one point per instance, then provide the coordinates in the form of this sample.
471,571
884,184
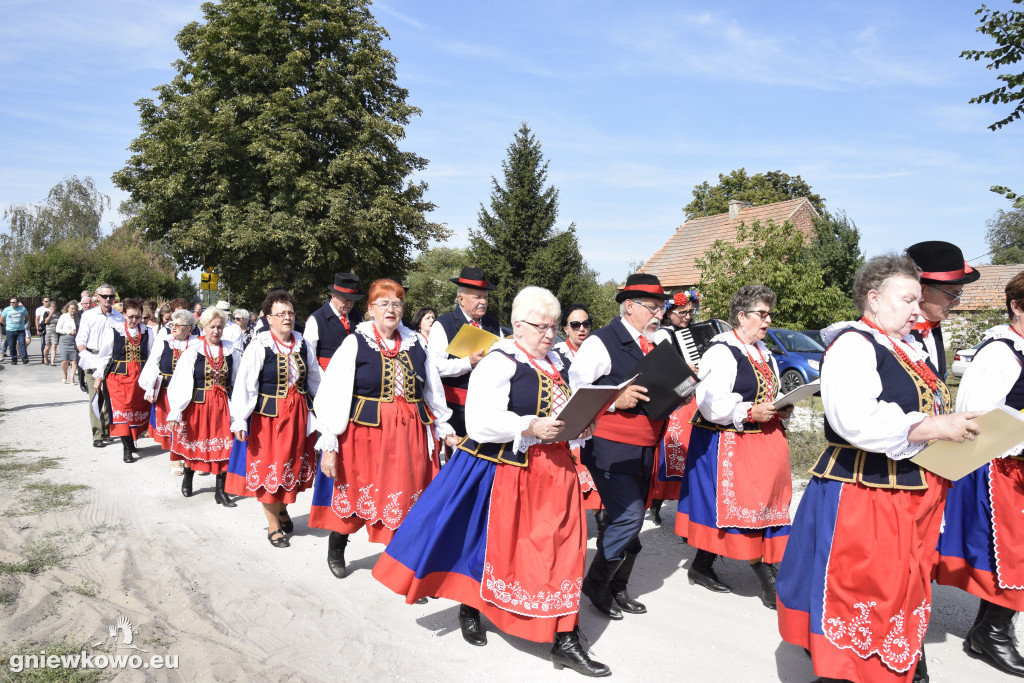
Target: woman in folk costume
273,458
735,495
667,475
197,405
576,324
123,350
502,529
981,549
380,410
156,375
854,588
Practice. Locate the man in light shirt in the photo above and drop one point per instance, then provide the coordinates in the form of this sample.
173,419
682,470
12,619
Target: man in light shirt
93,322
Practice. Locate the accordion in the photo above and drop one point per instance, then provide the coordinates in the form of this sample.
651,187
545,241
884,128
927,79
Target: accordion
694,340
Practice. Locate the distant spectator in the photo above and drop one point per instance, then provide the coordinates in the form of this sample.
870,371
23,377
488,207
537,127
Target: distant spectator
243,320
41,317
197,310
164,316
90,331
67,354
15,318
84,304
49,342
423,319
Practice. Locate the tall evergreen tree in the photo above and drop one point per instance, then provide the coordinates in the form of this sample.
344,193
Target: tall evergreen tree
273,154
517,243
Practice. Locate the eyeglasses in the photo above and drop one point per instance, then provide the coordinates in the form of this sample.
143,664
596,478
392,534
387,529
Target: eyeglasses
763,315
577,324
393,305
132,317
655,310
954,296
289,314
543,329
178,325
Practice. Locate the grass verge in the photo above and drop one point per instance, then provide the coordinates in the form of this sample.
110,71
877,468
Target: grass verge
38,556
49,496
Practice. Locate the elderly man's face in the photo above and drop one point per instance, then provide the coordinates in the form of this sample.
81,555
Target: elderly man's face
644,314
343,305
106,297
473,303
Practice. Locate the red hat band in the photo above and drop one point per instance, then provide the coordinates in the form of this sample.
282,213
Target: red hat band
646,289
949,274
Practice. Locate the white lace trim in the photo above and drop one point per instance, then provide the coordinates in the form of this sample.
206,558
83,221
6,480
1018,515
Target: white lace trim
365,507
273,482
509,346
739,414
365,330
731,339
133,418
995,537
913,348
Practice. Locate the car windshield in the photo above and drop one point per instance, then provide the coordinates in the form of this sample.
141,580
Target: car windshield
797,341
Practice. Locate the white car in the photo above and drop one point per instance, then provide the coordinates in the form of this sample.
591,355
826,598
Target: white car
962,359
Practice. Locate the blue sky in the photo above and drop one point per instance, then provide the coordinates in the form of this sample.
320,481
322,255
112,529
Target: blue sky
633,105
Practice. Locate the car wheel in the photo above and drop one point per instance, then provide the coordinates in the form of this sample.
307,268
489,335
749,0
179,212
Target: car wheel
791,379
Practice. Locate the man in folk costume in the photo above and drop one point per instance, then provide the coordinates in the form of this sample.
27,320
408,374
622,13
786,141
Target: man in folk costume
944,272
472,296
335,320
620,456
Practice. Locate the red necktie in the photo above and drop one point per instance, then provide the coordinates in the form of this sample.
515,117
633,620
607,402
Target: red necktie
645,344
474,323
926,327
344,323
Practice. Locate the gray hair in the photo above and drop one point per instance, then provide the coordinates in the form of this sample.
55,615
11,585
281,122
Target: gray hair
535,301
209,314
105,286
241,313
748,296
184,317
470,290
874,273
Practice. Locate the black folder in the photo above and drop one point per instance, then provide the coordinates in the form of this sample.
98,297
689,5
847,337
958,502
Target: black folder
668,378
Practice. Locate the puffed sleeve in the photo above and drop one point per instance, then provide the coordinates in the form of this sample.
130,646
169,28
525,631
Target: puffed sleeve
988,378
311,332
151,370
246,389
236,361
850,387
314,375
716,399
433,394
488,419
103,353
590,364
182,384
333,402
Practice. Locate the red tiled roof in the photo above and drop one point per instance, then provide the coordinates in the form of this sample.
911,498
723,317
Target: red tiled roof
674,262
988,291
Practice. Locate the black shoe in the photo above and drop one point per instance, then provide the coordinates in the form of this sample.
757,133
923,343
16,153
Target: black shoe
222,498
921,670
991,639
126,444
567,652
277,539
656,510
336,554
764,574
186,482
472,630
422,601
702,574
595,586
286,522
98,443
617,586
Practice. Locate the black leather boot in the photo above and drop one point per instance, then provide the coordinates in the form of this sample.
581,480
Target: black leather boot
596,586
336,554
656,510
472,629
702,574
126,444
618,588
186,481
567,652
921,670
601,519
991,638
764,574
220,496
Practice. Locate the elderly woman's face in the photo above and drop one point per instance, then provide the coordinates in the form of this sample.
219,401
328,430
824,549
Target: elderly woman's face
536,336
754,322
578,327
896,305
180,330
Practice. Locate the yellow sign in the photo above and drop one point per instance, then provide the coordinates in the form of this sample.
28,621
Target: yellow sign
208,281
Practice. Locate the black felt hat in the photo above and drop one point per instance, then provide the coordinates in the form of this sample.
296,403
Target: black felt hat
474,278
346,285
942,263
639,285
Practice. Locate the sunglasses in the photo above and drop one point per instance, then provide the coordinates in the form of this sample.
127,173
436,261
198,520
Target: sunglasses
105,296
577,324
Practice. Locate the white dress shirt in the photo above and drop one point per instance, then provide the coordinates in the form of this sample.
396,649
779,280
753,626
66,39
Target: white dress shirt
437,349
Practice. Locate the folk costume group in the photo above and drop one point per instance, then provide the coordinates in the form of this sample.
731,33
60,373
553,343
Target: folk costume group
365,411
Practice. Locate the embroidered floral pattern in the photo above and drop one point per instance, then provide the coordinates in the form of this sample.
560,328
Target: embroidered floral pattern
272,481
392,515
219,445
515,598
898,646
586,479
736,514
365,507
135,418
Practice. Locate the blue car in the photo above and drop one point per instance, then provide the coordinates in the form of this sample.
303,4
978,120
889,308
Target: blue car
798,356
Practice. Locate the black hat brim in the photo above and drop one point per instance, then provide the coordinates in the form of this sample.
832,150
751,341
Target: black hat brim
345,295
461,283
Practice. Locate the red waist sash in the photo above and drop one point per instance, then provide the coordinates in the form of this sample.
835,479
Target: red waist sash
631,428
455,395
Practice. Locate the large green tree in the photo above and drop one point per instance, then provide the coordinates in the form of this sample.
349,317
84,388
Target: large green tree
760,188
776,256
517,243
273,154
1005,236
835,247
429,279
1006,28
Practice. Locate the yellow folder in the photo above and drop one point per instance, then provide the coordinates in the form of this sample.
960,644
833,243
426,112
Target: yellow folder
468,340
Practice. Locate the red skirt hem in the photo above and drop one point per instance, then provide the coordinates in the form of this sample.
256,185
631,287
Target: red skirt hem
958,573
325,518
462,589
745,545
